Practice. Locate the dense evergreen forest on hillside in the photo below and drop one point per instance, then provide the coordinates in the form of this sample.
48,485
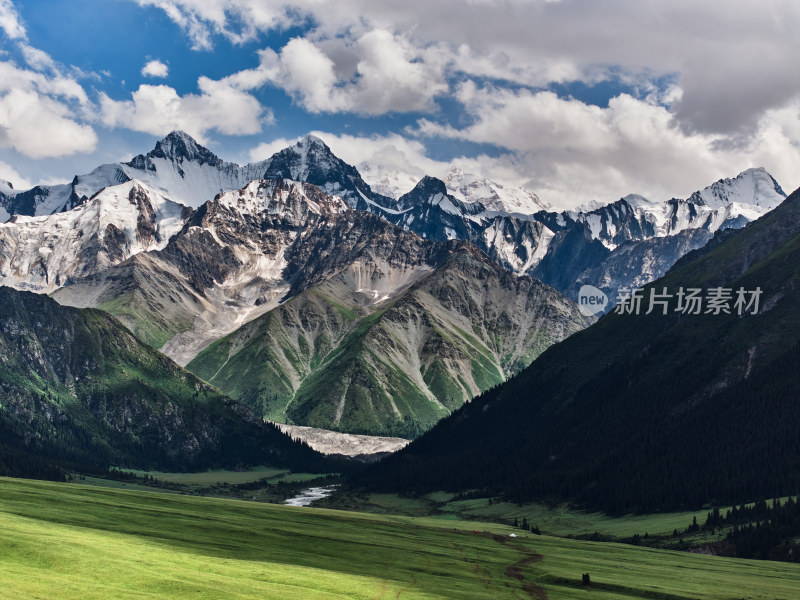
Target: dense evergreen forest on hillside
644,412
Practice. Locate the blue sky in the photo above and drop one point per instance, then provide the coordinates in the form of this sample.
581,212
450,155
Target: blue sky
574,100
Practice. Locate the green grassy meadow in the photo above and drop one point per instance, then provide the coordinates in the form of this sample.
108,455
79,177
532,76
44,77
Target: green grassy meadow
561,520
230,477
71,541
261,483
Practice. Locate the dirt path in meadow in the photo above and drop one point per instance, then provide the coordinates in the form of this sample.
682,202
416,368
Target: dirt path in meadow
515,571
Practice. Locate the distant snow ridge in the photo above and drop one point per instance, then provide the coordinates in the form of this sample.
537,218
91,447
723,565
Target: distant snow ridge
494,196
512,225
46,200
726,203
469,188
392,183
43,253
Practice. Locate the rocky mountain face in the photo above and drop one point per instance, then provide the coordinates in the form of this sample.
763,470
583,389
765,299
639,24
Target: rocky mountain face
44,253
273,249
643,412
241,255
186,249
77,390
223,267
359,356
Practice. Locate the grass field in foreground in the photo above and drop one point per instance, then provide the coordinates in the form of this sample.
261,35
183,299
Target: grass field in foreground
71,541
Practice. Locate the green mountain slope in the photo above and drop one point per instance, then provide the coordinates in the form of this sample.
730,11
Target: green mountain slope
646,412
337,358
78,390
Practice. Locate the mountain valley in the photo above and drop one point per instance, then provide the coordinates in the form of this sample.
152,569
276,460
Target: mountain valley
294,287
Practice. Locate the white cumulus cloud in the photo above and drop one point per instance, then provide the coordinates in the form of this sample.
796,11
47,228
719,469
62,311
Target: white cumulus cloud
10,174
38,114
158,109
734,59
10,22
155,68
570,152
41,108
377,73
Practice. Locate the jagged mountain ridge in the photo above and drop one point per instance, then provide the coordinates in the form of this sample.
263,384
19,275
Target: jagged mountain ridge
337,357
264,248
241,254
725,203
178,171
178,168
189,174
245,252
559,248
622,245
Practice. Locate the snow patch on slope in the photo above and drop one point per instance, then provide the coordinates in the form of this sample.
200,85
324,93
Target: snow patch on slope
494,196
276,197
392,183
42,253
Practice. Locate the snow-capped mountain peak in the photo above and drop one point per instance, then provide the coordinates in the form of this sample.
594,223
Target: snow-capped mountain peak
189,173
180,146
281,197
309,140
308,153
431,185
310,160
43,253
430,192
755,187
725,203
494,196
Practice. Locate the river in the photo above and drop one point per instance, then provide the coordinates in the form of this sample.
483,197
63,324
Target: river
309,495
